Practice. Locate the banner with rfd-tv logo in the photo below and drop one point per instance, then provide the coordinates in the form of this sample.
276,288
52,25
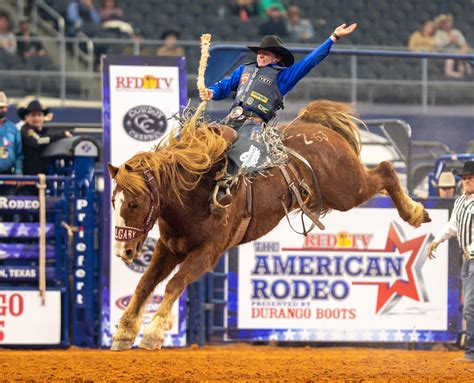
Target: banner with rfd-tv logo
140,95
365,278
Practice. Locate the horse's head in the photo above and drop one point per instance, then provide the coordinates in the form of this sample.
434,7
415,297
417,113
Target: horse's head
136,211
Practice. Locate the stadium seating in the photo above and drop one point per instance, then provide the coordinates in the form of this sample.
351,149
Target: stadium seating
382,23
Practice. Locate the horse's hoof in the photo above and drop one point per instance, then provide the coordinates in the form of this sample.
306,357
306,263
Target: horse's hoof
150,344
121,345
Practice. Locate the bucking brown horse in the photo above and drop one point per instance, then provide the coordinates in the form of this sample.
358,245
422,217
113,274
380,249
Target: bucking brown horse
171,185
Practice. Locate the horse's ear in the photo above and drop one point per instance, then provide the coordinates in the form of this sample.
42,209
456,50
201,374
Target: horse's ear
128,168
112,170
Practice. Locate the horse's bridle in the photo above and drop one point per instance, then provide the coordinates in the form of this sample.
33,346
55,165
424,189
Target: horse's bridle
127,233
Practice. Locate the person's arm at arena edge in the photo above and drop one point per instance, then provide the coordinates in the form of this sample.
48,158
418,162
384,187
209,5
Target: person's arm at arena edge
448,231
32,139
290,76
222,89
18,152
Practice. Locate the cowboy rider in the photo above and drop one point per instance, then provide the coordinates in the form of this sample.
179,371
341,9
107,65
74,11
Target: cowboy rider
261,85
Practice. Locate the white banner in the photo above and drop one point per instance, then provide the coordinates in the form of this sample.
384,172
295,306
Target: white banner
142,99
367,272
24,321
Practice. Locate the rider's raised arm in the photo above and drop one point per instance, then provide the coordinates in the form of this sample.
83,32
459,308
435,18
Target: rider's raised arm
290,76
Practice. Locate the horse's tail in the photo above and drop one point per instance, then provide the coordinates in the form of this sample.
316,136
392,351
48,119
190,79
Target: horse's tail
337,116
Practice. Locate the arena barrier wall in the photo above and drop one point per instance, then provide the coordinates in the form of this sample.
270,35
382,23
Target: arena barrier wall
69,314
366,278
140,95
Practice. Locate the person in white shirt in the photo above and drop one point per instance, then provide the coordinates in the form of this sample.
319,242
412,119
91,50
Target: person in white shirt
461,225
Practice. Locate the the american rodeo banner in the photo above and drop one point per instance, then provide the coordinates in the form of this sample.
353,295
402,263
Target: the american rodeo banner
140,94
366,278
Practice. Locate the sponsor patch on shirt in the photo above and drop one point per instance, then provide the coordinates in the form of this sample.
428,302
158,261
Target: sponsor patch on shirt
249,101
259,96
244,78
263,108
265,80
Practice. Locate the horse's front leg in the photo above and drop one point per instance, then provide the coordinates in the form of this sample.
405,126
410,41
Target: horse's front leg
162,264
198,262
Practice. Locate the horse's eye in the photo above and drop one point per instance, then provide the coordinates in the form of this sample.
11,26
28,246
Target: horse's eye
132,205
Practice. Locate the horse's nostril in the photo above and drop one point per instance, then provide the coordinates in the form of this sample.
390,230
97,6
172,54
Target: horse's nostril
129,253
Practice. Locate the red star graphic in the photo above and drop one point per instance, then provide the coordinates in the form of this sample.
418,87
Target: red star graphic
400,287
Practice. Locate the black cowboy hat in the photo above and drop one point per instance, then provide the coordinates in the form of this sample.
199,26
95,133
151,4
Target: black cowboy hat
467,169
274,44
33,106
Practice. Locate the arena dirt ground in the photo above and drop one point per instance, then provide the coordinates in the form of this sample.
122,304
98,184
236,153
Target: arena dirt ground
233,363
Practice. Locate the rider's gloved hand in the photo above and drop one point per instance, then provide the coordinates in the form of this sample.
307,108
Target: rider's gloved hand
205,94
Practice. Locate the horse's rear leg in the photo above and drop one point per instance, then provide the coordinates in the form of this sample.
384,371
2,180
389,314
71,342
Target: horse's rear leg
196,264
162,264
384,177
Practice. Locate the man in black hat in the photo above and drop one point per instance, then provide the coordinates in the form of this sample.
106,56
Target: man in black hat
36,137
461,225
261,85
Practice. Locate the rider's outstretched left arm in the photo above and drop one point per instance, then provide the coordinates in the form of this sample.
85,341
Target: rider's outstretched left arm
290,76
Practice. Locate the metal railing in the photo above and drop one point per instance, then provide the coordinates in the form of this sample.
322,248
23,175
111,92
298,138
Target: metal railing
233,55
82,69
44,24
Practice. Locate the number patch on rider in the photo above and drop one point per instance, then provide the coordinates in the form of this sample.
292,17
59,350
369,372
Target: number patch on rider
265,80
259,97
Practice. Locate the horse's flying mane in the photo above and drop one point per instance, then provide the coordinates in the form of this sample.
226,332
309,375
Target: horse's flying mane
337,116
177,163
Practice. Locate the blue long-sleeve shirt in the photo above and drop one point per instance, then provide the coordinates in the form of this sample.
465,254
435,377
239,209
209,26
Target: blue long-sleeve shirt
75,10
286,79
10,140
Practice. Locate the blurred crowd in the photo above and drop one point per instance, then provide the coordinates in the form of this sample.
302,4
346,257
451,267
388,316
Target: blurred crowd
22,42
439,35
106,19
275,19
